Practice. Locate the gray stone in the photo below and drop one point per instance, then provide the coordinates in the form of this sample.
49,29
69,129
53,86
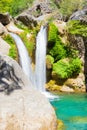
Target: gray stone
80,15
25,108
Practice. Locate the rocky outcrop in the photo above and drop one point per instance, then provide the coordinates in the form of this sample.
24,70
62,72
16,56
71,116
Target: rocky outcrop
25,108
80,15
77,43
4,47
12,28
5,18
3,30
40,11
27,19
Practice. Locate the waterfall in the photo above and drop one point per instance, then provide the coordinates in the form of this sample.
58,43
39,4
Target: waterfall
40,67
38,78
25,60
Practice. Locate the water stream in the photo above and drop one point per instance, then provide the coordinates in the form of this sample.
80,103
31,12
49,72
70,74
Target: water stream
25,60
40,67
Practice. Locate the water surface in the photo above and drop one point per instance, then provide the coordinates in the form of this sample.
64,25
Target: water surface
72,110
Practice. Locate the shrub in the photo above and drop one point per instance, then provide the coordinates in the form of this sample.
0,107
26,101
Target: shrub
13,49
58,51
77,28
14,6
66,68
52,34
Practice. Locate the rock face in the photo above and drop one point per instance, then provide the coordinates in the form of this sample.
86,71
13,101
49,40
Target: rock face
4,47
77,42
12,28
5,18
27,19
2,30
25,108
41,9
80,15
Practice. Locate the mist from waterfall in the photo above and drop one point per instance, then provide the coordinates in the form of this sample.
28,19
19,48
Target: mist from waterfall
40,59
25,60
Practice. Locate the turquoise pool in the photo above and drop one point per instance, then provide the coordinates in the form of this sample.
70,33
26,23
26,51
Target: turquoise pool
72,110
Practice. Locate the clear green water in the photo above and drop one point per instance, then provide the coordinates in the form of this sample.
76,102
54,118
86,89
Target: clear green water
72,110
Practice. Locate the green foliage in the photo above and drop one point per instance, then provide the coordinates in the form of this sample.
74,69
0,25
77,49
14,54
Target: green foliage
67,7
66,68
58,51
5,5
53,32
13,50
50,59
14,6
77,28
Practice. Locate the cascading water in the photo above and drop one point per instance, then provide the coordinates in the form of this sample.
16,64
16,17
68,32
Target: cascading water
38,78
25,60
40,67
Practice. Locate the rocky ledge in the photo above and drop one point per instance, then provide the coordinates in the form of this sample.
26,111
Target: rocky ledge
23,108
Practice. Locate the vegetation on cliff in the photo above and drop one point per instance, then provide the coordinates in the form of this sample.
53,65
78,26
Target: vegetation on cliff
77,27
14,7
66,63
13,49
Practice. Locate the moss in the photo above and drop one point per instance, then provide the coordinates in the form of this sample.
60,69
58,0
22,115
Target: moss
13,49
66,68
53,32
76,27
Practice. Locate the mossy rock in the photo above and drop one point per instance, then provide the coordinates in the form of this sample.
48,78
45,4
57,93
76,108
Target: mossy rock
49,61
61,125
65,68
52,86
76,27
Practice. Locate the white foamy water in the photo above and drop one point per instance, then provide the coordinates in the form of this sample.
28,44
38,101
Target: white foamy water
25,60
40,67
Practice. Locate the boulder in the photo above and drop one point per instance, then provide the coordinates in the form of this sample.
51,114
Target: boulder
66,89
5,18
4,47
3,30
24,108
11,27
80,15
27,19
77,83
